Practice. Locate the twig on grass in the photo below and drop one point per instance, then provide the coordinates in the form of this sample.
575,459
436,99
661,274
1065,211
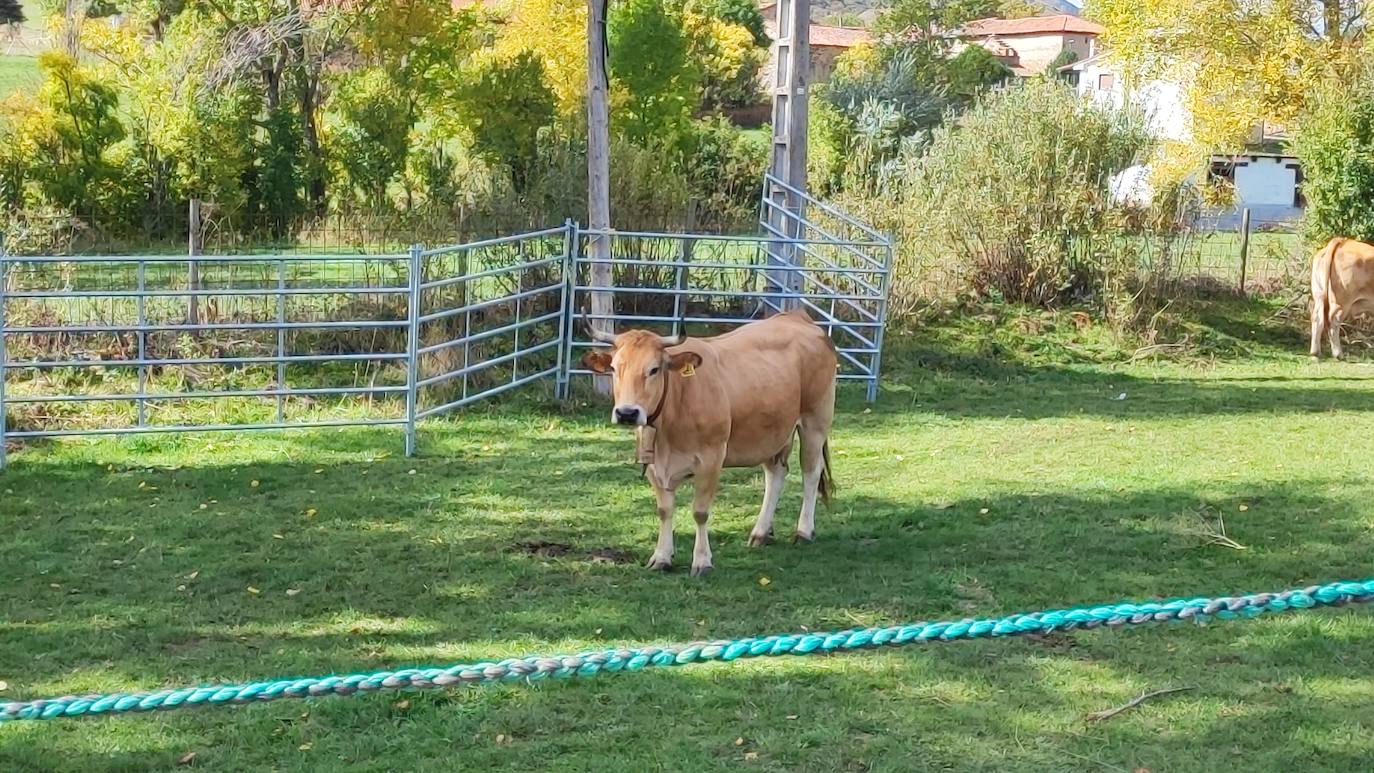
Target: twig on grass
1102,716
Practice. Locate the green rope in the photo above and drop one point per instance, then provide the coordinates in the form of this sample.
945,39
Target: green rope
586,664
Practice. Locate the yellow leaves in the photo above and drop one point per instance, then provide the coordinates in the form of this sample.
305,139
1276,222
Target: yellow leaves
555,31
764,582
254,591
1237,64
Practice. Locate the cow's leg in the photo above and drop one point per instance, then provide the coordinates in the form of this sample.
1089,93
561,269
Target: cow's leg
774,476
813,467
662,559
1318,325
1333,332
707,480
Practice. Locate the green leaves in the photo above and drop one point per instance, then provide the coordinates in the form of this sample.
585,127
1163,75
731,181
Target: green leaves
656,79
505,106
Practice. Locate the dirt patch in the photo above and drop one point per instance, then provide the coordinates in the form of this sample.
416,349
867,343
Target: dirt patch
561,550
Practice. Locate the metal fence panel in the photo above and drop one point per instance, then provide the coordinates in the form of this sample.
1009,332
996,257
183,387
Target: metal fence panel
159,344
128,345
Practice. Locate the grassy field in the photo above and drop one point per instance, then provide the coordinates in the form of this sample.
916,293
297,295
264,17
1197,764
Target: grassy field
999,472
17,73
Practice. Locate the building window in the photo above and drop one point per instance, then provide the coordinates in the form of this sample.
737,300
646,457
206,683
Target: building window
1224,172
1105,81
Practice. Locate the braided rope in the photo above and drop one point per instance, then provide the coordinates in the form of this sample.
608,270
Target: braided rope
587,664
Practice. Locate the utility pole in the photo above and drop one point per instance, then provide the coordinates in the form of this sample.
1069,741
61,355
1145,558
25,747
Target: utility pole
791,72
599,173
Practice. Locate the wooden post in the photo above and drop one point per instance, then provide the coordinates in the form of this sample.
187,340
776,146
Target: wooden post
193,248
791,71
1244,245
599,173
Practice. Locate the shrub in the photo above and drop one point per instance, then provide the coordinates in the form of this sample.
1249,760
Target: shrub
725,174
1016,193
900,80
1335,142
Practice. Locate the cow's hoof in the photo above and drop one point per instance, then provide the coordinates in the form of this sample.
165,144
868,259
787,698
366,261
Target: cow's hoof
659,564
799,538
702,570
759,540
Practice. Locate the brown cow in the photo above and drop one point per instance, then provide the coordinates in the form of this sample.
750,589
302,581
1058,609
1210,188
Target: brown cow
1342,288
735,400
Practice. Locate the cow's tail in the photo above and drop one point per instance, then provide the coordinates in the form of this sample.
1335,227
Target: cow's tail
827,487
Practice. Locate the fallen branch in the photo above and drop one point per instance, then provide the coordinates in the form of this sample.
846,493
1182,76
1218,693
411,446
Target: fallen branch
1102,716
1146,351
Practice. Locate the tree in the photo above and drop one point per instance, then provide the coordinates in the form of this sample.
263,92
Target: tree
83,126
1238,63
728,59
505,107
652,71
1335,142
555,31
974,71
744,13
371,137
11,12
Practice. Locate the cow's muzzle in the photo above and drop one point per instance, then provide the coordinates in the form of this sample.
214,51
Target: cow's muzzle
628,414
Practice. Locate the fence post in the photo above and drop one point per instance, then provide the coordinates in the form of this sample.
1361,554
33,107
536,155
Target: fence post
413,346
193,247
142,342
4,288
1244,246
565,316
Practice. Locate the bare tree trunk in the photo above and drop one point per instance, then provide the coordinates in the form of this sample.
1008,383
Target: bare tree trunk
1332,21
599,173
71,31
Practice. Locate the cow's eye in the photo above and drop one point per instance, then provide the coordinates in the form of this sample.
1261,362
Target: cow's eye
653,371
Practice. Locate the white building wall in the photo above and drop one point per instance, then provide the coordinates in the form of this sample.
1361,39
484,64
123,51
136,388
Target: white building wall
1265,182
1161,101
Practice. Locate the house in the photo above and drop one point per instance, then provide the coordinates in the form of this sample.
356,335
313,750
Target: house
1029,46
827,43
1264,179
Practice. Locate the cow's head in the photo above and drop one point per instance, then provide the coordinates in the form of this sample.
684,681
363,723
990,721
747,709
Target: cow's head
639,364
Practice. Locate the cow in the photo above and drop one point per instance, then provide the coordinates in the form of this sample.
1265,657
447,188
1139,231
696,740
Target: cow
734,400
1342,288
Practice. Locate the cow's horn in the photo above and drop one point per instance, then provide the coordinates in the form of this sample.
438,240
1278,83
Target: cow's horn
597,335
672,340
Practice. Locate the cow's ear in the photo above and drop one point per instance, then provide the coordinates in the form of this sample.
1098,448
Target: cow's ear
684,361
597,361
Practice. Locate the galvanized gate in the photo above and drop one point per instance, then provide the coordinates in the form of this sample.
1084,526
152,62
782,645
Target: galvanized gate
157,344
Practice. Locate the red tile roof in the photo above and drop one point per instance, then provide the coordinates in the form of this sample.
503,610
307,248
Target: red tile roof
825,36
1035,25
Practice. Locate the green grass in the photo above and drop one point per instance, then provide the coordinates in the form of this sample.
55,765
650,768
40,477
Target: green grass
17,73
999,472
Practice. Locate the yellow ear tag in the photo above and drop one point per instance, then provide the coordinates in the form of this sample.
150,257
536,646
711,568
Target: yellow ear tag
688,371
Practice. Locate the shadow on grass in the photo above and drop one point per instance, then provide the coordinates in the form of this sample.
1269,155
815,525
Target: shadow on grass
975,386
287,568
